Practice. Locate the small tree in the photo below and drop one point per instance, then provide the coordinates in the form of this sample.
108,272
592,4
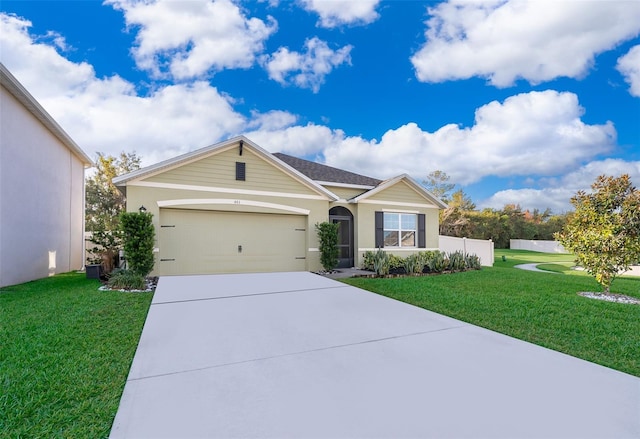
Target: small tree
437,183
328,236
104,203
604,230
138,235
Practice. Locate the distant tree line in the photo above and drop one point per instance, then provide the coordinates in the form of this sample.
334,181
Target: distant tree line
462,219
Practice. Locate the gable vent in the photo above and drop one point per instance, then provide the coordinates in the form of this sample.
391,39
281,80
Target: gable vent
241,171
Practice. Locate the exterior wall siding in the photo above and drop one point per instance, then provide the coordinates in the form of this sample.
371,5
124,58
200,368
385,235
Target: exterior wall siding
218,170
400,192
345,193
42,193
384,201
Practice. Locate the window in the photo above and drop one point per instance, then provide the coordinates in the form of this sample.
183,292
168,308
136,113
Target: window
241,171
400,229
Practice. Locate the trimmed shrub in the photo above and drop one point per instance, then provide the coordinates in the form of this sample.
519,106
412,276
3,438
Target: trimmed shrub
436,262
367,260
431,261
456,261
413,264
381,263
472,262
126,280
328,237
138,234
396,264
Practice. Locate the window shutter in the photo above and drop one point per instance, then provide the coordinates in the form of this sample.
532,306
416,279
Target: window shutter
422,239
379,229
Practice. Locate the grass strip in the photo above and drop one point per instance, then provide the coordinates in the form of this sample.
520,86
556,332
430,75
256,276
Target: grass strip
65,352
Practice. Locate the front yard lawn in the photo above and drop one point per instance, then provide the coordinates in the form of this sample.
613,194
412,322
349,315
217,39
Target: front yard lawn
65,352
537,307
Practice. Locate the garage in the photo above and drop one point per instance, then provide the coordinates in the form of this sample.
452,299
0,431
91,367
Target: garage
209,242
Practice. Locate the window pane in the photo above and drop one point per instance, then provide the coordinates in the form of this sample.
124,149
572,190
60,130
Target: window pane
409,222
408,239
391,221
391,239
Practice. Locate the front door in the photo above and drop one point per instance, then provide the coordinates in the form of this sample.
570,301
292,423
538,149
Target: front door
342,217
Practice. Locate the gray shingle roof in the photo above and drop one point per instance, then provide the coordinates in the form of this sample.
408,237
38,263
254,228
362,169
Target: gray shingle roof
318,172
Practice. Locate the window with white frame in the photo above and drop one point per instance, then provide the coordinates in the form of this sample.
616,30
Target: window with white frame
400,229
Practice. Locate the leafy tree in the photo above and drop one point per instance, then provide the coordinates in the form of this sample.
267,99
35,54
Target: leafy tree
104,203
437,183
604,230
454,220
138,236
462,201
549,227
328,236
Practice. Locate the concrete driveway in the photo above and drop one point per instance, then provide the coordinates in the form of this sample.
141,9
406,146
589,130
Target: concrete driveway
289,355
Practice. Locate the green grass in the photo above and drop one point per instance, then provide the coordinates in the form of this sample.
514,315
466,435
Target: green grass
516,257
65,352
542,308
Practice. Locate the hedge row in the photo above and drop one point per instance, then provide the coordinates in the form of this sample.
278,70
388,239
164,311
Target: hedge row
434,261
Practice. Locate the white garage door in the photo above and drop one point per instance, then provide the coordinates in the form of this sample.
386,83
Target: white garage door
205,242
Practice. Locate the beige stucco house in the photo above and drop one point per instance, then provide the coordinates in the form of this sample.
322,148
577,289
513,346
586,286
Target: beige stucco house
41,190
234,207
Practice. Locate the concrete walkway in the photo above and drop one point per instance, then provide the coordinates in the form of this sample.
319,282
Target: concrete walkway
533,267
294,355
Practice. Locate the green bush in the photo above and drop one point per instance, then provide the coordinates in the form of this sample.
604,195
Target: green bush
396,263
456,261
431,261
413,264
472,262
436,262
138,235
381,263
367,260
328,237
126,280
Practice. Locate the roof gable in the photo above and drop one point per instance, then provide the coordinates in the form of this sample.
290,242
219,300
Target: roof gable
168,168
408,181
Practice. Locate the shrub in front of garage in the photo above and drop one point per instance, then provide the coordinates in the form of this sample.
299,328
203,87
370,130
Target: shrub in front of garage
138,236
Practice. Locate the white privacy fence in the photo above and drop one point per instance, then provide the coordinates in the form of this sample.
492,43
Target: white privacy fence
479,247
537,246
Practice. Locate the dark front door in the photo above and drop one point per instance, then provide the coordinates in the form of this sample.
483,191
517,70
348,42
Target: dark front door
342,216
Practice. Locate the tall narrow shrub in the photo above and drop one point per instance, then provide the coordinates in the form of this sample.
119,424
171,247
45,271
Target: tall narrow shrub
138,235
328,237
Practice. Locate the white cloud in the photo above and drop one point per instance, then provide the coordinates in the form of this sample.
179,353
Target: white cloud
307,69
531,134
507,40
334,13
107,114
557,193
302,141
191,38
629,66
272,120
537,133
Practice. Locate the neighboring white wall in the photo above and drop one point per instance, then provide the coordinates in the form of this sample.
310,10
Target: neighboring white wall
537,246
41,198
479,247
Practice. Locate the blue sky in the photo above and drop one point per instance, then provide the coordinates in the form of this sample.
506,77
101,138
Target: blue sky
519,102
